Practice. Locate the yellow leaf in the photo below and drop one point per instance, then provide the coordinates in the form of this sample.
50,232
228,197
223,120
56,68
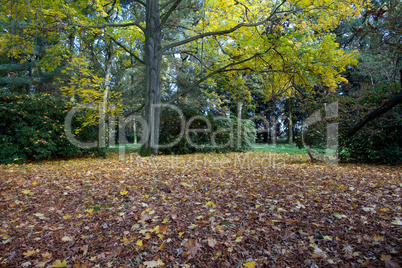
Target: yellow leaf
148,236
166,220
26,191
180,234
139,243
156,229
123,192
239,239
29,253
250,264
67,217
210,203
46,255
59,263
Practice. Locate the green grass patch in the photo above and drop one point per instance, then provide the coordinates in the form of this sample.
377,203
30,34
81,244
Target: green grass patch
278,148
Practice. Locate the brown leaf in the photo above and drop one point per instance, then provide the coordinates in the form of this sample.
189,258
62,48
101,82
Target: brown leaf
211,242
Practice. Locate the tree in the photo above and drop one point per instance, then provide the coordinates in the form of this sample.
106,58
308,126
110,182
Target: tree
379,34
288,40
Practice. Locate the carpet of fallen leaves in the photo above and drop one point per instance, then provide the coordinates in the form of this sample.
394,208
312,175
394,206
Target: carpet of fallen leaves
233,210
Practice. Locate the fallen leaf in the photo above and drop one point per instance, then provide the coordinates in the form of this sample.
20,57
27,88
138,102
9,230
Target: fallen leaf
150,264
211,242
318,253
59,263
250,264
46,255
67,217
29,253
66,238
397,222
26,264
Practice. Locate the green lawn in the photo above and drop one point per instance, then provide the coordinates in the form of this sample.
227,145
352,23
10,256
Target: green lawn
258,147
278,148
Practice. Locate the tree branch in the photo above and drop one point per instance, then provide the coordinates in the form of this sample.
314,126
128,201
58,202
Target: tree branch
134,111
220,70
140,2
223,32
117,25
169,12
166,4
127,50
374,114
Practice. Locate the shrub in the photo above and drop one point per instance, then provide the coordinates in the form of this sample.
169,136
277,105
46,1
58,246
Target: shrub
32,128
219,139
379,141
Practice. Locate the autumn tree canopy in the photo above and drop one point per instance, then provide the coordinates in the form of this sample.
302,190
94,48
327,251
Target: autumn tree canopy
83,47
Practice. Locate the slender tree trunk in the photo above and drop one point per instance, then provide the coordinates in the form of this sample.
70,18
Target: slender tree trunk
107,78
102,124
71,39
290,122
153,57
135,132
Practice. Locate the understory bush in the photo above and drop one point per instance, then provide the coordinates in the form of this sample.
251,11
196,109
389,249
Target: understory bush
32,128
380,141
222,135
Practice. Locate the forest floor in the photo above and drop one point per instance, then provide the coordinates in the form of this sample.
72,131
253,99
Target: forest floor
255,209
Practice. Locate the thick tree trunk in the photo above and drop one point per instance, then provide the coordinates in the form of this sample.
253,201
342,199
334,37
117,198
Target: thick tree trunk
153,57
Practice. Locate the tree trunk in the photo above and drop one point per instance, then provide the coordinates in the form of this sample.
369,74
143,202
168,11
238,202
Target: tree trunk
153,57
102,125
290,122
135,132
71,39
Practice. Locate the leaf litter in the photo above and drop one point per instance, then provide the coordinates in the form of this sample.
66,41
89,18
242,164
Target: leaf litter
214,210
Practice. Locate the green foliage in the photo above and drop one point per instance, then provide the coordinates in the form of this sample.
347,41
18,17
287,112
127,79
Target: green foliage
32,128
144,151
222,135
378,142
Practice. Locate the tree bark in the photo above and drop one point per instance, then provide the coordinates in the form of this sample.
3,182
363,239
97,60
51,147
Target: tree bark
153,58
